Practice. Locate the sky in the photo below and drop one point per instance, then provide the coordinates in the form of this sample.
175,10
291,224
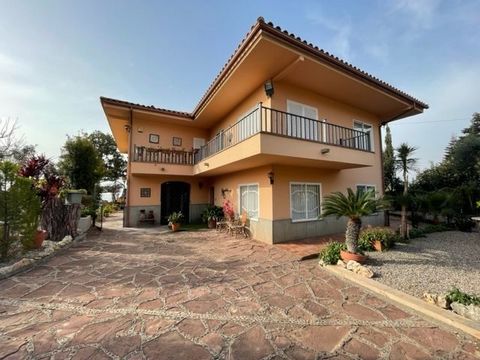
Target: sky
58,57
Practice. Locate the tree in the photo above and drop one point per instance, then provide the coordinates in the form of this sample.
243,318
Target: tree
114,162
389,163
405,163
354,205
474,128
81,163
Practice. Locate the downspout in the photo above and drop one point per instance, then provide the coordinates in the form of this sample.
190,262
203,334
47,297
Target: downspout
386,213
130,124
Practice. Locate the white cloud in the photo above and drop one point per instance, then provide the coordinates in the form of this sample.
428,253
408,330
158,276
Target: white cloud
422,12
340,43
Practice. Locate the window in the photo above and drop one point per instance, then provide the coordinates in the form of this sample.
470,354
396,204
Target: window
198,143
364,143
249,200
305,201
177,141
364,188
304,125
145,192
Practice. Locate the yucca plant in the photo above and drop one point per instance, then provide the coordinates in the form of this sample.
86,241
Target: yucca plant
353,205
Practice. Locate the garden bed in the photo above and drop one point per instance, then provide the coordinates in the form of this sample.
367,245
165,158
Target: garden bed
432,264
24,261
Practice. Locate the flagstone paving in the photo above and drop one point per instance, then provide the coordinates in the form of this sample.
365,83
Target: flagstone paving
138,294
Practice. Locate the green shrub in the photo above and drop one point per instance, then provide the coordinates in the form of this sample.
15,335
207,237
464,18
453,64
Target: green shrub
369,235
416,233
458,296
212,212
432,228
331,254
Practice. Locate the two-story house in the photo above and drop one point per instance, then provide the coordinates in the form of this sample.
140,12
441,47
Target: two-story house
282,125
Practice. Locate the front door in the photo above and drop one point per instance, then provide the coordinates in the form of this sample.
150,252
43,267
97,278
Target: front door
175,196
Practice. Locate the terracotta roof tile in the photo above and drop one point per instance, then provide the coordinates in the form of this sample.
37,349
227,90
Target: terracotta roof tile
145,107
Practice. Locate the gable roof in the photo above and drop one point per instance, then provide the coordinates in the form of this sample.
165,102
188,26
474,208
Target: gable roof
291,39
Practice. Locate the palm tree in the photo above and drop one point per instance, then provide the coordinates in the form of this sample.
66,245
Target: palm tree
354,205
405,162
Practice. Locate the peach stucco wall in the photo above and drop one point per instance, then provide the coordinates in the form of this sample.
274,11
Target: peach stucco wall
252,176
330,180
166,131
241,110
198,193
333,111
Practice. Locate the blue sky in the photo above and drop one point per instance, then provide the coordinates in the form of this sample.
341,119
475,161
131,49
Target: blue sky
58,57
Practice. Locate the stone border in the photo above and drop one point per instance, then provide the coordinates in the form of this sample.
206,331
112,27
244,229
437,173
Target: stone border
404,300
27,263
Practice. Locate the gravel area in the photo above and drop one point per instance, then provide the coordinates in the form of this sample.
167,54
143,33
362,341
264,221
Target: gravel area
434,264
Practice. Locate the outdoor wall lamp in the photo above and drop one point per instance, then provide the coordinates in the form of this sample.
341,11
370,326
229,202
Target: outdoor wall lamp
127,128
206,164
325,151
271,177
163,169
269,90
140,130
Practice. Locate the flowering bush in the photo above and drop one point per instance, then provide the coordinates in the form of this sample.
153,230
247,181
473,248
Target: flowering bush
228,210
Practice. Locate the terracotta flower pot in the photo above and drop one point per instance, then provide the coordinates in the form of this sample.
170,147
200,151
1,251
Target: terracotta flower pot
378,245
346,256
175,227
39,238
212,224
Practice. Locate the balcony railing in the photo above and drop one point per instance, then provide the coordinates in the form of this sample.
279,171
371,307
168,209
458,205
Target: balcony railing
165,156
280,123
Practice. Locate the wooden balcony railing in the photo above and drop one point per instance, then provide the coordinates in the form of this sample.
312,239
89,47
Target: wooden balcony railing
165,156
280,123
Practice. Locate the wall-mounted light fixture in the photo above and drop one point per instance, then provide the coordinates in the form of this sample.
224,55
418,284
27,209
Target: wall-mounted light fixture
140,130
269,90
225,191
271,177
163,169
127,128
206,164
325,151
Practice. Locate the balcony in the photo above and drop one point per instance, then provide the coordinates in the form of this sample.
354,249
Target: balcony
162,161
265,120
269,136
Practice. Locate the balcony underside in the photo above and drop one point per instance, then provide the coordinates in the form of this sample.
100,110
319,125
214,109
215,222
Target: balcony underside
264,149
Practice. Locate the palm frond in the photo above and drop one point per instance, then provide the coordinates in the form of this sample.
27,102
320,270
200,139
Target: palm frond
353,205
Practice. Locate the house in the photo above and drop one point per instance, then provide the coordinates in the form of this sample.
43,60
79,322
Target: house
282,125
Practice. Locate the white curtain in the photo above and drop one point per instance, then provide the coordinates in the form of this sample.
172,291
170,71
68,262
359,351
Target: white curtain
249,200
305,201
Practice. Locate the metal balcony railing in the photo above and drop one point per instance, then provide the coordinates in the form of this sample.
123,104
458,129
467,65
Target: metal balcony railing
281,123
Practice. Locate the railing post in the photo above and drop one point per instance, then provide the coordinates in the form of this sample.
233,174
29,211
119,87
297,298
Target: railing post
261,116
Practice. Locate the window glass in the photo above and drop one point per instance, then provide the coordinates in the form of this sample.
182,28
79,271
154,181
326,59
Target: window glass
249,200
305,201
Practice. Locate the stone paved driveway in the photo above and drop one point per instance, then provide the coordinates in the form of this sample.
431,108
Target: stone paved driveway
139,294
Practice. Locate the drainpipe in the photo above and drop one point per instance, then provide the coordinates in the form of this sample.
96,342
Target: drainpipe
127,212
386,213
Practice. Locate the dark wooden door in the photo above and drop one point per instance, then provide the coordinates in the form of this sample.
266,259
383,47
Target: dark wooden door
175,196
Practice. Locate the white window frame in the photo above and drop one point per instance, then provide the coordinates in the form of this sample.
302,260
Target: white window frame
239,197
375,193
367,185
315,136
320,199
372,136
197,139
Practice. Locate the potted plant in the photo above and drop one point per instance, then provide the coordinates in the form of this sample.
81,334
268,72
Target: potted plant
174,220
376,238
74,196
211,215
39,238
353,205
